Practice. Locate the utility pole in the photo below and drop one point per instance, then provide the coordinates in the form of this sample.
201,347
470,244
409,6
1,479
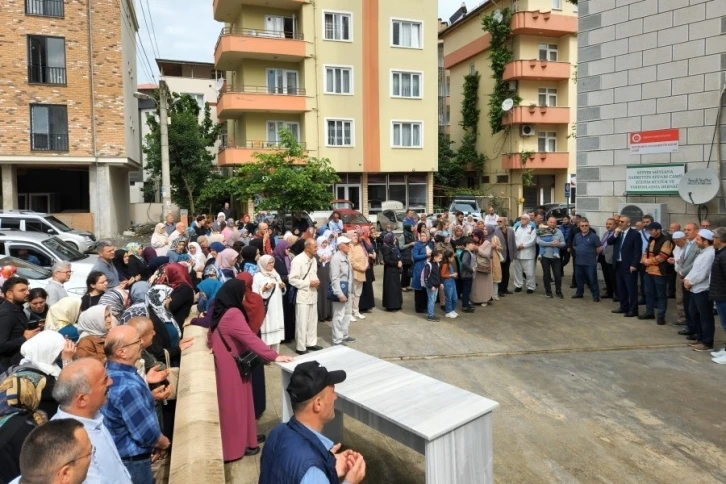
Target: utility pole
165,174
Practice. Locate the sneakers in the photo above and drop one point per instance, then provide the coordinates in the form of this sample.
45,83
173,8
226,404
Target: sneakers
495,297
719,354
358,316
721,360
451,315
703,347
433,319
352,318
454,313
560,295
548,295
350,339
468,309
483,305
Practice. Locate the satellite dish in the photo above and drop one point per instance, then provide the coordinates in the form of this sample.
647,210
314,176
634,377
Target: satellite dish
507,105
220,84
699,186
498,16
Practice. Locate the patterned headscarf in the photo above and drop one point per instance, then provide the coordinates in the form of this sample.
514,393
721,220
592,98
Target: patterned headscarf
21,393
155,299
117,299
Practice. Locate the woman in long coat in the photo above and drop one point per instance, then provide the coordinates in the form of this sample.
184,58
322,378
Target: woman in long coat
483,286
419,255
407,241
234,392
282,267
325,254
392,266
367,300
255,309
268,284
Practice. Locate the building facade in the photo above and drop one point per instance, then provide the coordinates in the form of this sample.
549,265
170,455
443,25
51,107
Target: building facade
68,117
543,74
355,81
650,66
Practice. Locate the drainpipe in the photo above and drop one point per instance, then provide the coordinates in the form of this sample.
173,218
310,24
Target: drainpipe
93,108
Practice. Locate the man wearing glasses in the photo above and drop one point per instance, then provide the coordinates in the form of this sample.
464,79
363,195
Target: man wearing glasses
130,413
61,273
586,246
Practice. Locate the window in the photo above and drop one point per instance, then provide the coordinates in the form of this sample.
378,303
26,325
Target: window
485,179
199,98
338,80
340,132
48,127
406,34
406,84
10,223
281,81
548,52
46,60
447,116
338,26
556,4
472,68
502,178
48,8
547,97
547,142
274,127
407,134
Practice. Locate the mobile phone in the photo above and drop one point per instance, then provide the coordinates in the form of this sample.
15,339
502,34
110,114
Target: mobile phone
34,325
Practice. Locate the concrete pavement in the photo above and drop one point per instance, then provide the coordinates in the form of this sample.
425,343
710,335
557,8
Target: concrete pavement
586,395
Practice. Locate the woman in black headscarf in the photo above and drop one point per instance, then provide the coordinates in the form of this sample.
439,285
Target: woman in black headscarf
406,246
249,260
129,267
392,297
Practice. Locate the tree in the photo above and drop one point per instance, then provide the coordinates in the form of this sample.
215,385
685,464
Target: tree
190,148
451,171
287,180
218,189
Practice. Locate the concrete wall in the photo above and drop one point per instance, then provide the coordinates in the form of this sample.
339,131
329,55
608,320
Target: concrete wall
147,213
647,65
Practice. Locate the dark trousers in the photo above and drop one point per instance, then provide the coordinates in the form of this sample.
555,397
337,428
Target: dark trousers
701,310
574,270
466,292
692,325
671,276
554,263
641,289
565,260
608,273
655,295
504,285
406,275
587,273
627,285
421,300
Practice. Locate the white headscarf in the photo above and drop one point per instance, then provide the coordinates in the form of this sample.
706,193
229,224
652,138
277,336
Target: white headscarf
262,265
199,258
93,321
325,251
42,350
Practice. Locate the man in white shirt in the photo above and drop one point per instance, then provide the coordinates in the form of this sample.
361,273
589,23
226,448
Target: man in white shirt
81,390
679,239
491,218
525,237
61,271
304,276
697,281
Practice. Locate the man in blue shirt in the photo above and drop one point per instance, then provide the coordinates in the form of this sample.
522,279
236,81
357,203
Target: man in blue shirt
130,414
297,451
586,246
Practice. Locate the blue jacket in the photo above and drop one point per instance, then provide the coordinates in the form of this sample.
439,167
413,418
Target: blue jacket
290,450
419,261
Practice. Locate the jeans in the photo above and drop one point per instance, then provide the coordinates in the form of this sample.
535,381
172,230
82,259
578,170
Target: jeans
721,308
555,263
433,295
702,315
655,294
587,273
466,292
140,471
450,292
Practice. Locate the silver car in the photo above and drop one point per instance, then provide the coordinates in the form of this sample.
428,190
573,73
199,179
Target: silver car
44,250
40,277
30,221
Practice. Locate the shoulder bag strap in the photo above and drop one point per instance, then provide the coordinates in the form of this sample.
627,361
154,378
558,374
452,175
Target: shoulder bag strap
310,266
266,300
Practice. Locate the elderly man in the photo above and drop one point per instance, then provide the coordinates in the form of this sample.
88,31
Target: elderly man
679,242
81,390
58,452
525,239
297,451
304,276
626,258
698,282
685,263
655,261
509,252
104,264
130,414
706,224
341,278
359,260
263,241
606,260
169,224
61,273
551,246
586,247
179,233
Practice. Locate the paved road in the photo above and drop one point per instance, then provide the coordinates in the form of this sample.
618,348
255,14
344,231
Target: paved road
586,396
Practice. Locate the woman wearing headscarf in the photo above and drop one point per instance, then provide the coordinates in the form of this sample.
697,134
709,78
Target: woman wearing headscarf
148,254
124,269
367,301
137,262
282,267
420,253
496,243
268,284
225,262
249,260
216,226
160,240
137,294
40,354
94,325
482,287
208,288
392,266
406,242
179,252
325,254
182,295
20,396
234,392
198,259
117,299
255,310
62,317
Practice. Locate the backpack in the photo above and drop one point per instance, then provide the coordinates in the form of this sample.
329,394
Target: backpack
424,277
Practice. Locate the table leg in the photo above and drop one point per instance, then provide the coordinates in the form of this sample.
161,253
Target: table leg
463,456
286,412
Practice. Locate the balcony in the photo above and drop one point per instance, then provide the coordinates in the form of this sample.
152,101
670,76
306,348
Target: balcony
228,10
538,161
231,153
234,101
546,24
535,69
537,115
234,45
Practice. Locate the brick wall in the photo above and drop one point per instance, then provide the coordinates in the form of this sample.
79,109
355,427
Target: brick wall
646,65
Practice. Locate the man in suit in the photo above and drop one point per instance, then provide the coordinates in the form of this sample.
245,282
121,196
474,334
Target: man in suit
509,251
627,251
606,261
688,255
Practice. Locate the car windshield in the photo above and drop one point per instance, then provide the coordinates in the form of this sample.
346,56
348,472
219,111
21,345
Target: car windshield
354,219
25,269
464,207
57,224
62,250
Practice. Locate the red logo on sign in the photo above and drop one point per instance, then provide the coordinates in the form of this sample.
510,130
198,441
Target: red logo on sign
659,136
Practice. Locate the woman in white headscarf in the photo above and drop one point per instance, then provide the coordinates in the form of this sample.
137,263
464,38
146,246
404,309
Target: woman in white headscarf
62,317
160,240
198,260
268,284
220,218
94,325
325,253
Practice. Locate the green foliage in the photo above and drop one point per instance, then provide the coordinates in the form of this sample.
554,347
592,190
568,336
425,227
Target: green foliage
217,190
190,148
470,123
528,177
283,184
499,55
451,172
525,155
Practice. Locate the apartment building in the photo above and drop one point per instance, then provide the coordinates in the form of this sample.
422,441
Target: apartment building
68,117
543,73
444,87
355,81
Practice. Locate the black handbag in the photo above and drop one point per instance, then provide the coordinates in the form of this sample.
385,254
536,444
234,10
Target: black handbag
292,290
266,301
247,362
343,288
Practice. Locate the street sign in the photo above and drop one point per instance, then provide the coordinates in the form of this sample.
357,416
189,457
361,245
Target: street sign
649,142
568,191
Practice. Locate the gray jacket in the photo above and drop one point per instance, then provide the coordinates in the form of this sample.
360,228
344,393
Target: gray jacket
549,251
340,270
690,258
509,249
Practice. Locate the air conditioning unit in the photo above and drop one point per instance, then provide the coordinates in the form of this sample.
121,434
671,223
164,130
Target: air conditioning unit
528,130
636,211
513,85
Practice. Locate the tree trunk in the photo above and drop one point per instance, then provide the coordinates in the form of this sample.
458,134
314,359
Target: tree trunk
191,197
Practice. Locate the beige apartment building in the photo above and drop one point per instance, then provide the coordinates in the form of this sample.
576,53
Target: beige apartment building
355,81
543,73
68,118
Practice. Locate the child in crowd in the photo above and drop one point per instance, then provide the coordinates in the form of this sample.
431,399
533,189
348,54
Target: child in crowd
546,233
431,278
466,273
449,275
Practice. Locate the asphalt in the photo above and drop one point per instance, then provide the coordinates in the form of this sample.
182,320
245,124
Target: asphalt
585,396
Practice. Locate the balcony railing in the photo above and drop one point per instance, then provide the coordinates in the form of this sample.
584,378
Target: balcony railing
47,8
270,34
46,75
255,144
290,91
49,142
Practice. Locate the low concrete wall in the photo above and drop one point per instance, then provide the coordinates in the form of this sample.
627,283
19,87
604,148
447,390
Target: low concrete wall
78,221
197,448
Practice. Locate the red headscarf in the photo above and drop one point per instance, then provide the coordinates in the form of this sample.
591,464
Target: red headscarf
253,303
177,275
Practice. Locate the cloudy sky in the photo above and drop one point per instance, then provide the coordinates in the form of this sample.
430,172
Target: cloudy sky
190,33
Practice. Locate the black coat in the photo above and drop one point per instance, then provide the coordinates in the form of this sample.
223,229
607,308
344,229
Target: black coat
632,248
392,296
13,324
717,288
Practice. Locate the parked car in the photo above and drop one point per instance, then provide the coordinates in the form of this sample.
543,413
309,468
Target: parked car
48,224
278,225
392,213
40,276
352,219
322,216
558,211
465,204
47,249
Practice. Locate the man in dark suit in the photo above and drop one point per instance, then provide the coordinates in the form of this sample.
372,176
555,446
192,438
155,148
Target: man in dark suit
627,252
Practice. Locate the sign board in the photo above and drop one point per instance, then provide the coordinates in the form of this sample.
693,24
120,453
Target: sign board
660,179
567,190
649,142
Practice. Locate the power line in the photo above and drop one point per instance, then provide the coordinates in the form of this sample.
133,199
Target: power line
153,29
149,70
148,30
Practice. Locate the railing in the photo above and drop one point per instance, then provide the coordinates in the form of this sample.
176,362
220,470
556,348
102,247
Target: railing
270,34
46,75
254,144
291,91
47,8
48,142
